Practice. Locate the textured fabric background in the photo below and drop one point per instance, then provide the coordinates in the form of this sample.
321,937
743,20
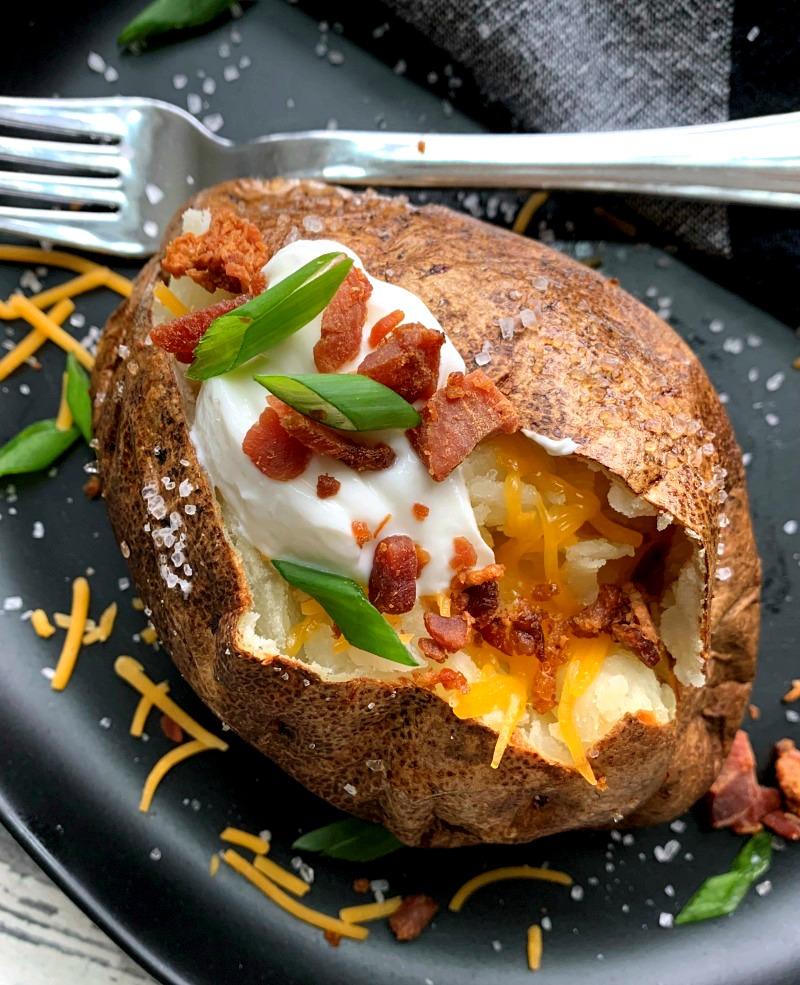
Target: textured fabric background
598,65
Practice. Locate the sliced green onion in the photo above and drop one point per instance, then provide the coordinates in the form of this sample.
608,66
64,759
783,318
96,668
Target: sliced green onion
345,401
345,602
721,894
170,15
80,403
351,840
35,447
268,319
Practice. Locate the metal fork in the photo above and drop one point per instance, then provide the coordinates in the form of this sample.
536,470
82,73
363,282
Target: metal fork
128,163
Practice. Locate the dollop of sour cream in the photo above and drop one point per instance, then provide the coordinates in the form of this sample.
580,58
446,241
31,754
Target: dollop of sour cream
287,519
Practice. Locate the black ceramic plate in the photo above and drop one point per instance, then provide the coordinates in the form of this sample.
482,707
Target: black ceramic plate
70,775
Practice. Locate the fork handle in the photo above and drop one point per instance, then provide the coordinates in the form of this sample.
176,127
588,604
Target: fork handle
755,161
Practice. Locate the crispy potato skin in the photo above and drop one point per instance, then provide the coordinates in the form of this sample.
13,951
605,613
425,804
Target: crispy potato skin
597,367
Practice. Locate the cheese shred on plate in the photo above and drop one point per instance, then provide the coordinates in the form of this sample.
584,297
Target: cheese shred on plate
143,709
64,416
22,307
292,906
281,876
235,836
365,912
534,947
41,624
72,642
164,765
503,875
34,340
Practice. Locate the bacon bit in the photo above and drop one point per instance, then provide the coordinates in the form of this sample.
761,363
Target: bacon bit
450,632
783,824
383,326
393,579
342,321
597,617
420,511
515,633
181,335
421,146
381,525
432,650
228,257
332,937
625,615
464,554
413,916
327,441
361,885
361,532
793,693
274,452
327,486
787,771
483,599
541,593
93,487
407,361
423,558
171,729
459,416
738,801
754,712
451,680
479,576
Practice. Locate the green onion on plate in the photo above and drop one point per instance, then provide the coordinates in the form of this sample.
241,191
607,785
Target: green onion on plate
78,398
347,605
35,447
345,401
351,840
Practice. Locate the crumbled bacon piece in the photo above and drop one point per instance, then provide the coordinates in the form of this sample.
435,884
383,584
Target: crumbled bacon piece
342,321
457,417
332,938
451,680
432,650
407,361
228,257
273,451
464,554
171,729
181,335
738,801
93,487
393,579
383,326
327,486
479,576
787,771
793,694
423,558
483,599
420,511
361,532
625,615
598,616
638,642
413,916
450,632
361,885
515,632
381,525
783,824
327,441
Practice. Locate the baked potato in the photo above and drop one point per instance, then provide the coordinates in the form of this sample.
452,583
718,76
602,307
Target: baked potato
595,669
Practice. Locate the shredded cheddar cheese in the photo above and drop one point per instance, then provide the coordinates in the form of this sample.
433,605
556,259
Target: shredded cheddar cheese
143,709
164,765
213,865
148,635
503,875
165,296
41,624
22,307
244,839
64,416
34,340
365,912
72,642
534,947
101,632
78,285
132,672
292,906
528,210
586,658
281,876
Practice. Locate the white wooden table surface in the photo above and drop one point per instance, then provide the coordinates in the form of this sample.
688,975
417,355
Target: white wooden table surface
45,939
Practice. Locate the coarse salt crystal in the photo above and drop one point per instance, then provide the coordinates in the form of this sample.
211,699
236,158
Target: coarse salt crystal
678,826
96,62
546,923
527,316
111,74
753,33
762,888
123,584
497,946
734,345
190,509
541,283
105,722
180,81
312,223
194,103
716,325
724,574
214,122
209,86
507,327
38,530
775,381
155,854
576,893
350,789
792,716
150,228
154,193
754,341
667,852
665,920
245,62
790,527
772,419
12,603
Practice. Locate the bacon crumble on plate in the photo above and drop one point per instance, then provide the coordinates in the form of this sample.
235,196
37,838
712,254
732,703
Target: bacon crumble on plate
413,916
406,361
738,801
180,335
327,486
383,326
342,322
228,256
393,579
273,450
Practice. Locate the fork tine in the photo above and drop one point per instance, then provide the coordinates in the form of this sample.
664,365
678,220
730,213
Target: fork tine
93,157
62,188
88,231
64,115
